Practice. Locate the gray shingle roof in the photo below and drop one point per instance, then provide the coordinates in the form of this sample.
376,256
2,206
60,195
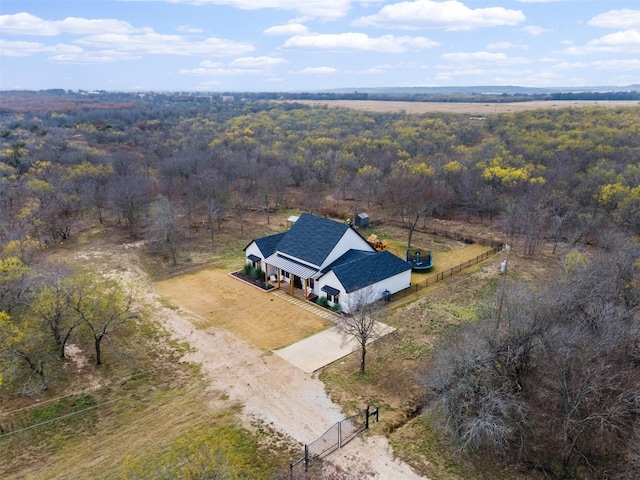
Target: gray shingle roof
362,271
267,245
347,257
312,238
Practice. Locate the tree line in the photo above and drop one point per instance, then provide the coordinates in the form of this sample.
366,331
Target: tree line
547,378
558,174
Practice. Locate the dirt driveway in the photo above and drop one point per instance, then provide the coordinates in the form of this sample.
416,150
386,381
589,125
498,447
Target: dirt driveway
270,388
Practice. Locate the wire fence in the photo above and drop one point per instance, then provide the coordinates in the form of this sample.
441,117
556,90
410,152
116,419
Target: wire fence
438,277
337,436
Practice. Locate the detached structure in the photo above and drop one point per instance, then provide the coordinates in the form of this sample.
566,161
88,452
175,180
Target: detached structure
327,258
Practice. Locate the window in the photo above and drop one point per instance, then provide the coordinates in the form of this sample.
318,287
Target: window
332,293
310,283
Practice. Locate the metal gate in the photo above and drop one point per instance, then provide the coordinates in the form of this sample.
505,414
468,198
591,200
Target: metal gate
336,437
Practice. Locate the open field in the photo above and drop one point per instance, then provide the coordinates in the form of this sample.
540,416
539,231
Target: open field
225,302
476,109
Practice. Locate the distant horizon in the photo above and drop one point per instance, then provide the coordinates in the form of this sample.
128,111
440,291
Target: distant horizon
450,89
316,45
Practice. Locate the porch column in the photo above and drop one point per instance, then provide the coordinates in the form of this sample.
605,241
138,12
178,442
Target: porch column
266,270
278,274
304,287
292,281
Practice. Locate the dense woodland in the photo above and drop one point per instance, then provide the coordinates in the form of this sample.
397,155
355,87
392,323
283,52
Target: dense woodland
561,358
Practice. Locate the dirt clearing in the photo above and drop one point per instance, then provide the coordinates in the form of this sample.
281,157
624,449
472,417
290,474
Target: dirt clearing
219,300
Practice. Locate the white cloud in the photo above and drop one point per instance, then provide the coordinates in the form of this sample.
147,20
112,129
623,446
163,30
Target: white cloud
619,64
219,72
257,62
287,29
359,41
60,53
535,30
239,66
484,57
627,41
188,29
506,45
318,71
569,65
63,53
315,8
210,64
450,15
83,57
625,18
27,24
21,49
626,37
154,43
377,70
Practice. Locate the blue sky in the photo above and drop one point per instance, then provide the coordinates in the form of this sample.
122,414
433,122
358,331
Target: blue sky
309,45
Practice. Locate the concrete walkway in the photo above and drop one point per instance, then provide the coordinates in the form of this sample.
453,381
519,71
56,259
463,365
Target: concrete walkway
310,307
321,349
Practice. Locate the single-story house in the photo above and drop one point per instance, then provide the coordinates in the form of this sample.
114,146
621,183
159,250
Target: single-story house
328,258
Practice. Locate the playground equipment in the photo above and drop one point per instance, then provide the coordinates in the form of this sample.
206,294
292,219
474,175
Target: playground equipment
376,243
419,259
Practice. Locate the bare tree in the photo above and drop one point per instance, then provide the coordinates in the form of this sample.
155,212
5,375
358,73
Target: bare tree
130,197
165,230
213,191
410,197
361,323
556,384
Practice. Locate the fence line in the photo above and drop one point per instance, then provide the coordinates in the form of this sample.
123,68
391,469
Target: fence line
438,277
337,436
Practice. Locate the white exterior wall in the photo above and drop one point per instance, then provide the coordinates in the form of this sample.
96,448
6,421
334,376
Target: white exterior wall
393,284
329,279
349,241
253,249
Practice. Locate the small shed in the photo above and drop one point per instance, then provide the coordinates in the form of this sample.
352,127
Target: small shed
291,220
361,220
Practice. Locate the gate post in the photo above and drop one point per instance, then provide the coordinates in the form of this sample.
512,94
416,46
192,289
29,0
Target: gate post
366,415
306,457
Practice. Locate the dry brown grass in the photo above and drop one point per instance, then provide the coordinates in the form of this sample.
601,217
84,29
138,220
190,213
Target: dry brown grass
141,421
480,109
220,300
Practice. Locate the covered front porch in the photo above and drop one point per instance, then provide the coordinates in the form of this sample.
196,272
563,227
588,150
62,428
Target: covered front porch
286,274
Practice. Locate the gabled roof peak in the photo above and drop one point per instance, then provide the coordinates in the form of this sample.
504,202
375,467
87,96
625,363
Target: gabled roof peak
312,238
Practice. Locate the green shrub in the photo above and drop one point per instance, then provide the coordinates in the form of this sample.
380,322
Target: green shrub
247,269
257,273
323,302
336,308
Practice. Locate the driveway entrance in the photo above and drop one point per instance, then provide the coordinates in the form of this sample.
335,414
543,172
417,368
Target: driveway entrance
326,347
